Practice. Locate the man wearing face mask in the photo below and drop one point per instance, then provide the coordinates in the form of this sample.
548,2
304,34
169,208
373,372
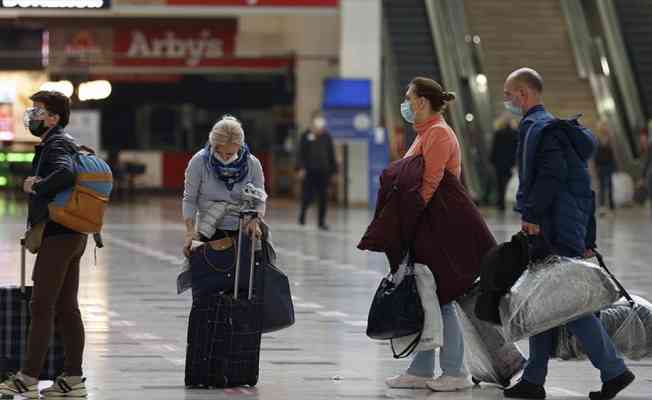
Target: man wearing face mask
56,271
316,165
555,200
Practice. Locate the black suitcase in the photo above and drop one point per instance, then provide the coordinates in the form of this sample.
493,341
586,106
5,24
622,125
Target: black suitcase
15,319
224,332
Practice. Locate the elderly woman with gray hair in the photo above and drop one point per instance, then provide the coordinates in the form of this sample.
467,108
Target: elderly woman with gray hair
216,176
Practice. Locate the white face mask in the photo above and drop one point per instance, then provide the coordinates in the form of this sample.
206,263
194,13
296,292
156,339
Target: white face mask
226,162
319,123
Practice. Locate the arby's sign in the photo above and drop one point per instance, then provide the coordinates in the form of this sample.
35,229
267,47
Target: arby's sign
174,46
158,47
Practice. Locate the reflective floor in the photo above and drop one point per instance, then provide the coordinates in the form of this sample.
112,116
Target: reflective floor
136,323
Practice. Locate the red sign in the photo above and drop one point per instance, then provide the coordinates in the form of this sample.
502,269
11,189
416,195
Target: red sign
252,3
83,47
174,45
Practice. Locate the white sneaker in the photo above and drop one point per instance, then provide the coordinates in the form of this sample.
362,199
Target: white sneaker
66,386
407,381
446,383
17,385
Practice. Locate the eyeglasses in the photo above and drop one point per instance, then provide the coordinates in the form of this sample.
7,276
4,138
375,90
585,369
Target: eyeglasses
37,112
34,113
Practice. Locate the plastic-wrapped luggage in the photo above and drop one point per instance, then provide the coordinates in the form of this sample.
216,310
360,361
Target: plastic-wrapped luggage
552,293
629,327
487,355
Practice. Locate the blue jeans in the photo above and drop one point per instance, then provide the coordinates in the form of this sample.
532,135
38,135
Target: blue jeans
594,340
451,357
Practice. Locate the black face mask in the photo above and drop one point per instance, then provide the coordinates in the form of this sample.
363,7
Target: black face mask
37,127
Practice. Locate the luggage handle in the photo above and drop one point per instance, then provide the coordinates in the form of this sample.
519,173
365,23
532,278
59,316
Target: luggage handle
22,265
243,214
623,292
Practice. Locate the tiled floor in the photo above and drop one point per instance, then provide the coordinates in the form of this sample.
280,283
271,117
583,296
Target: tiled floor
136,324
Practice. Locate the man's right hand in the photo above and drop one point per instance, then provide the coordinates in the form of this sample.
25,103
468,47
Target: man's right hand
530,229
301,174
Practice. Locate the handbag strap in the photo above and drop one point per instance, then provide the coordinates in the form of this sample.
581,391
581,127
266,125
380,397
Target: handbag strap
409,349
623,292
208,261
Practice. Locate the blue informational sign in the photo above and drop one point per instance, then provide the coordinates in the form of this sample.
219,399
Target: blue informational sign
378,161
348,124
347,110
347,94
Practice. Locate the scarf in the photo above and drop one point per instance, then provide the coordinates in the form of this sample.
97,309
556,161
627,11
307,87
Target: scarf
232,173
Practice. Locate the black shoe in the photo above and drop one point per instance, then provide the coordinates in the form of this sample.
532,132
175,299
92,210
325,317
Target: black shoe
611,387
324,227
525,390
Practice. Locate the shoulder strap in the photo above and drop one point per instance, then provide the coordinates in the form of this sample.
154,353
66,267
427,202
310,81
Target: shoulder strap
623,292
87,149
409,349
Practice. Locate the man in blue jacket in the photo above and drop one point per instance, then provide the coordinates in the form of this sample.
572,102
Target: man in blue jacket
555,200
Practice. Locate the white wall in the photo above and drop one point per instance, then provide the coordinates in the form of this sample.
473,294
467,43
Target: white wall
360,44
360,57
314,40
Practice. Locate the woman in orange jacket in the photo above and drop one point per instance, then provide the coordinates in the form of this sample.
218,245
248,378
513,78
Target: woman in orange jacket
425,101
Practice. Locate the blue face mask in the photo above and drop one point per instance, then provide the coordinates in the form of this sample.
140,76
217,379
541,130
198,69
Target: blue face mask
406,112
509,106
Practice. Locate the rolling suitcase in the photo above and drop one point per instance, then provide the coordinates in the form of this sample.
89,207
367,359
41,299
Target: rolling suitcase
15,320
224,331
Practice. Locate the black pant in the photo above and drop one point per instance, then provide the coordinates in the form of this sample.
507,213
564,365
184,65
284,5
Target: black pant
606,187
502,178
315,183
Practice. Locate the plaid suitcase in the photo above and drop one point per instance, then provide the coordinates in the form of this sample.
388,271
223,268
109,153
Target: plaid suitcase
224,333
14,325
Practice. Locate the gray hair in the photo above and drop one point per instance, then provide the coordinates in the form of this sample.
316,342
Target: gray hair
228,130
529,78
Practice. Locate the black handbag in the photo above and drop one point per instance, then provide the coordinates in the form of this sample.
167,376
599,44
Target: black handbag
213,269
396,311
278,309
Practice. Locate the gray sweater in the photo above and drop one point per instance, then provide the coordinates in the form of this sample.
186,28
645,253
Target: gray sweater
202,188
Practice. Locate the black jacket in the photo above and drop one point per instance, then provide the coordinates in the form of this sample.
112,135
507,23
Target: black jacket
317,155
56,170
503,150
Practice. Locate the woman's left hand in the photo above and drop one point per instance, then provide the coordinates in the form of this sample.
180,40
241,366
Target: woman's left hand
253,228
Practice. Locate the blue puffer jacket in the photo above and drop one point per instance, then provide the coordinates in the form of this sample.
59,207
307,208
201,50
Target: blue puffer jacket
555,185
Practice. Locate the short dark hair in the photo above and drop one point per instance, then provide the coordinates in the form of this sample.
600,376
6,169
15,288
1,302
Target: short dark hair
433,91
55,103
529,78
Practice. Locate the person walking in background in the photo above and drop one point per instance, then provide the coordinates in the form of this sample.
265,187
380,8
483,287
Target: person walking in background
646,154
316,166
605,164
503,155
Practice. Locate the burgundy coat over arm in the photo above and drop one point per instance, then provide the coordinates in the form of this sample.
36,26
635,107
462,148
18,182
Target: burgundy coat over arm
450,236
